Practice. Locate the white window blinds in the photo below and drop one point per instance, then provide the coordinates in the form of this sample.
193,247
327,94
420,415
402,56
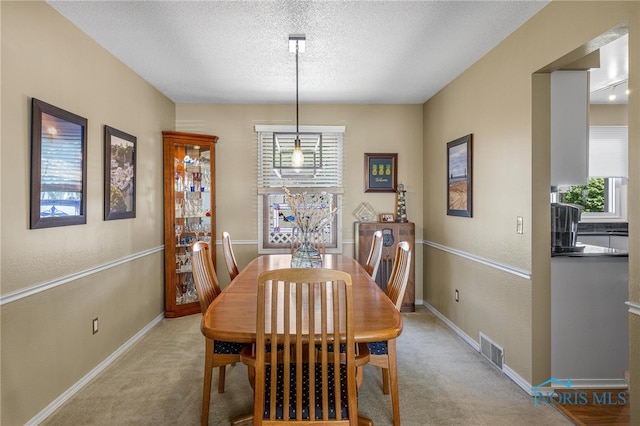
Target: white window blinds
608,151
328,176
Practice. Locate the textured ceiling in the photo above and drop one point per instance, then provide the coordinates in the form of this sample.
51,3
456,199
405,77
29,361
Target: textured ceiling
357,51
229,52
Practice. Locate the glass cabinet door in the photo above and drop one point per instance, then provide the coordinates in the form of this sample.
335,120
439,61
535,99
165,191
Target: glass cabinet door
189,163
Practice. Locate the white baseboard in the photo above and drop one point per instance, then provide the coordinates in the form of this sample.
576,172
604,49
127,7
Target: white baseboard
49,409
518,379
509,372
598,383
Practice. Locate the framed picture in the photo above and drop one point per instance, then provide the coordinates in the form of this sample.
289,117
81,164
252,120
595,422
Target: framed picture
386,217
119,174
380,172
58,167
459,183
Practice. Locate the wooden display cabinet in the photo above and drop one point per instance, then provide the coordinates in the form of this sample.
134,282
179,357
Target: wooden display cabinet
392,234
189,213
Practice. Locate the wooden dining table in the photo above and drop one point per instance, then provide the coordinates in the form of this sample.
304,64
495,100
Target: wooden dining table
231,316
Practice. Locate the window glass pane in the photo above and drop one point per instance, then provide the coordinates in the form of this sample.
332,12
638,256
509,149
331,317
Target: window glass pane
275,172
593,197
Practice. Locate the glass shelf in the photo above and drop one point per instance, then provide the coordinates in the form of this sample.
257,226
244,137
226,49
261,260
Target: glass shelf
189,174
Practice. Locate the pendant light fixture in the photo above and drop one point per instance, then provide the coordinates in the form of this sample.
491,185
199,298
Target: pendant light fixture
287,146
297,157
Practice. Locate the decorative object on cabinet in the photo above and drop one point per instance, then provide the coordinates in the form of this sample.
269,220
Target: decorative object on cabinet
58,167
459,183
189,213
386,217
364,212
380,172
119,174
401,208
392,234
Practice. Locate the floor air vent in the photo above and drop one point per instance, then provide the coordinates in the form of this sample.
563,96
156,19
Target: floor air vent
491,351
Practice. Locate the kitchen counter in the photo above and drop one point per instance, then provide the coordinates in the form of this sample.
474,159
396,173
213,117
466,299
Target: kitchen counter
589,324
593,251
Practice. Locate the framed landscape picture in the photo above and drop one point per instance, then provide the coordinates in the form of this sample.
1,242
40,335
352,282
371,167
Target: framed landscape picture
380,172
119,174
58,167
459,182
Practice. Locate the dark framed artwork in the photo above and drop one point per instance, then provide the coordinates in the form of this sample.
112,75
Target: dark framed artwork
58,167
119,174
459,182
380,172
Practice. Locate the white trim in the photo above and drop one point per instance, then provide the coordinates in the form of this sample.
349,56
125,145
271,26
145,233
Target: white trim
290,128
475,345
634,307
522,273
517,379
596,383
38,288
56,403
510,373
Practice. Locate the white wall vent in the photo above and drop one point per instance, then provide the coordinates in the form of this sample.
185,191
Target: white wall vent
491,351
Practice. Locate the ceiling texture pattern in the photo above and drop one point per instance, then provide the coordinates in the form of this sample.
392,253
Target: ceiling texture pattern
236,52
357,52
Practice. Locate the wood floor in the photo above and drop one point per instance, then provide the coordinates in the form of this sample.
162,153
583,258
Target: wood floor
590,413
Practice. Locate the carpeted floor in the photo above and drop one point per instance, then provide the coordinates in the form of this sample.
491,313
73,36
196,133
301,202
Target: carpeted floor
443,381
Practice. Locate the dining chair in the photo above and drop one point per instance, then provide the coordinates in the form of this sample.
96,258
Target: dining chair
229,257
383,354
217,353
302,381
375,254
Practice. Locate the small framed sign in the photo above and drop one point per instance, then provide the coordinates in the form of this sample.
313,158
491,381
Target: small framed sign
380,172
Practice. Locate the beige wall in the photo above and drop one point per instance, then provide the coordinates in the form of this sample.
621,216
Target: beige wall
47,344
608,115
499,101
369,128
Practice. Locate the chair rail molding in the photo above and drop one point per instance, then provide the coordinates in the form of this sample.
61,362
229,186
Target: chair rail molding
522,273
30,291
634,307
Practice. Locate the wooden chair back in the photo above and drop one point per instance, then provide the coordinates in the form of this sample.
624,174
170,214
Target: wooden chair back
302,336
204,275
229,257
375,254
399,274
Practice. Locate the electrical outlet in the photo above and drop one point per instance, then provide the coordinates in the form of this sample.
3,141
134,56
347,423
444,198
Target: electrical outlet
519,225
95,325
457,294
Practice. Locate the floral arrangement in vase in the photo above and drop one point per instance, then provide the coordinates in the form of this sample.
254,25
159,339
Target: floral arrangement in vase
310,214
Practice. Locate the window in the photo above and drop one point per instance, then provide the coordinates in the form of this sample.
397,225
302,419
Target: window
274,233
605,195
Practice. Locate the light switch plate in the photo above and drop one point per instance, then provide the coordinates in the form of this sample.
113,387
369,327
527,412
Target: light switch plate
519,225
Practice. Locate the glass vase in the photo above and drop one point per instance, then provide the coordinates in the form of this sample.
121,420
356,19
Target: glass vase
306,255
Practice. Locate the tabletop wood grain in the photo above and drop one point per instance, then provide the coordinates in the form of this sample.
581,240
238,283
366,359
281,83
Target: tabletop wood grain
232,315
